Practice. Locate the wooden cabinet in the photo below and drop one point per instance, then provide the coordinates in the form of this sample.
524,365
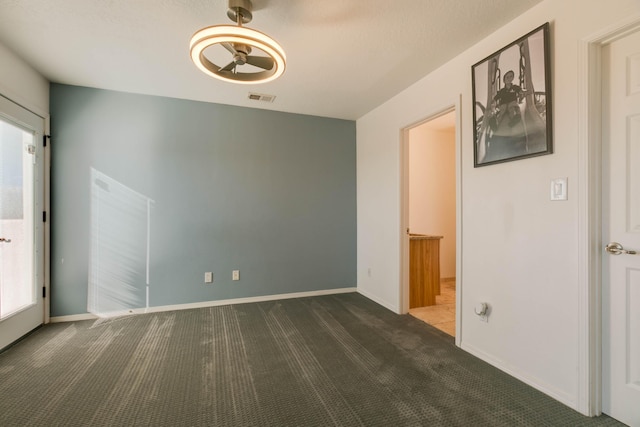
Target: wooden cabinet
424,270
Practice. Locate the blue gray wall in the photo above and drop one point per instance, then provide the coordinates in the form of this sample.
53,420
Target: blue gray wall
270,194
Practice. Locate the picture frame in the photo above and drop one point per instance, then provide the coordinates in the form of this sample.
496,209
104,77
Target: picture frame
512,117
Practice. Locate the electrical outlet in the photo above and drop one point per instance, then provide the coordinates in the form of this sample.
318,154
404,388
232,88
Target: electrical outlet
235,275
208,277
482,309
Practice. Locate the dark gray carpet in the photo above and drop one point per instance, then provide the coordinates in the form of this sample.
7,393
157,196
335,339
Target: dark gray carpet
335,360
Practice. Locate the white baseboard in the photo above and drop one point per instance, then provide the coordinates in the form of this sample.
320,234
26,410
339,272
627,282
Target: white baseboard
551,391
72,318
377,300
203,304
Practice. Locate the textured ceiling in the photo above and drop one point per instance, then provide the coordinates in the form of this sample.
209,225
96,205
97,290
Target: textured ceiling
344,57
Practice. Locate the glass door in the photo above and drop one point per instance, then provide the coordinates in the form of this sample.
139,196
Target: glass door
21,236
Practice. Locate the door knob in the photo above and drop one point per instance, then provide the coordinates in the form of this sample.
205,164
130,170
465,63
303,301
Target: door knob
2,239
615,248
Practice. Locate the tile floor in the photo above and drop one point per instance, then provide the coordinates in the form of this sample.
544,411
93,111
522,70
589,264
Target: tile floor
442,315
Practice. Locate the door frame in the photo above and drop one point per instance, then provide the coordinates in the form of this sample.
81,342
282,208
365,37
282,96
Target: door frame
404,210
41,252
590,242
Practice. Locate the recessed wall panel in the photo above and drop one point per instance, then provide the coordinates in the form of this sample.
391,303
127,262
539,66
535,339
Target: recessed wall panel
633,164
633,327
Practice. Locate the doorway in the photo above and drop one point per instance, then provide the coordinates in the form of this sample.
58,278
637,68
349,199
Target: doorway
21,233
430,217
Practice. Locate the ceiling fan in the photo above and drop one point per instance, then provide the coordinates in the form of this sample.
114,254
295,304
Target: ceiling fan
239,41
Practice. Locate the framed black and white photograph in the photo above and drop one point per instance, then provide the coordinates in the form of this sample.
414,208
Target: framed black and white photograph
512,101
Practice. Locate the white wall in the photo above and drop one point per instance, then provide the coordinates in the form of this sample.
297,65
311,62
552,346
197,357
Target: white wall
519,249
432,190
22,84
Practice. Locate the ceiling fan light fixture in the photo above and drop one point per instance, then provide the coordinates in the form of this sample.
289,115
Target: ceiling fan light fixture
236,39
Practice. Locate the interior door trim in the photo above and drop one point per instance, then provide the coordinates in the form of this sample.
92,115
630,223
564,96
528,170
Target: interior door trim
589,195
18,114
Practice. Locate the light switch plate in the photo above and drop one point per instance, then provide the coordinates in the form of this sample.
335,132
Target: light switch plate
559,189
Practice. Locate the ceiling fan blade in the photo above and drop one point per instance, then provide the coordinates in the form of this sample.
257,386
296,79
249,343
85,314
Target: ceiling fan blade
263,62
229,47
229,67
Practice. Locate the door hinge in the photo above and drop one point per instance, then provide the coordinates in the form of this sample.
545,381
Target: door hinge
44,140
44,216
44,292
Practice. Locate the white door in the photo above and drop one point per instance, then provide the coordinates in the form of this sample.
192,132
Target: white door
621,225
21,227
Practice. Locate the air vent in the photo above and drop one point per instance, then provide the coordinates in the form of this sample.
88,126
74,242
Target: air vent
261,97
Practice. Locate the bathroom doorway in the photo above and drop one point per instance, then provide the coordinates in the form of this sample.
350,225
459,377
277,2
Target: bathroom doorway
430,188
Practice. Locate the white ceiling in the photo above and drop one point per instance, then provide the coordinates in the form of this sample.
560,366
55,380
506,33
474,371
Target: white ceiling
344,57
